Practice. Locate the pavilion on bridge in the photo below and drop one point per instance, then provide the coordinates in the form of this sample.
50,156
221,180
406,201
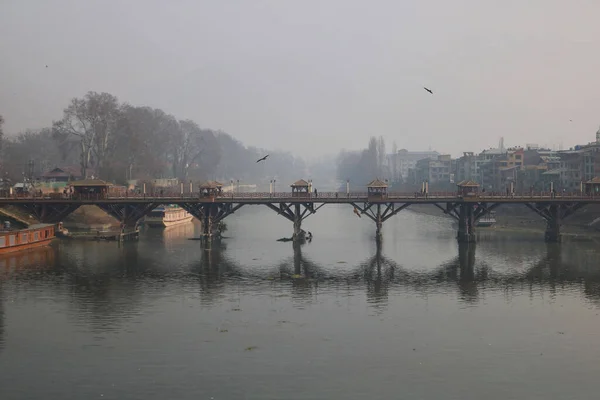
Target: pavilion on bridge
211,189
87,188
300,188
377,188
468,188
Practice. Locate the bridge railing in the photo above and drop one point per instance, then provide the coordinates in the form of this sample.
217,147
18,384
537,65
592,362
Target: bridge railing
286,196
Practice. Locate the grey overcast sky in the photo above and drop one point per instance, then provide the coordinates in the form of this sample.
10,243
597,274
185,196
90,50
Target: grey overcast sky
315,76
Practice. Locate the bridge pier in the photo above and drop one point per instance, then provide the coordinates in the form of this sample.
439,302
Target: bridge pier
296,213
375,213
378,224
466,224
127,213
210,214
552,234
467,214
554,214
297,223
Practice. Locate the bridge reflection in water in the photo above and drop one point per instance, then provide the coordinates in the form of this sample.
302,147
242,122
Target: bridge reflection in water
466,274
108,284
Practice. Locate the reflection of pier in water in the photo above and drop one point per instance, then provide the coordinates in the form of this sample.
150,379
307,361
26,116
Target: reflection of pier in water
107,287
464,273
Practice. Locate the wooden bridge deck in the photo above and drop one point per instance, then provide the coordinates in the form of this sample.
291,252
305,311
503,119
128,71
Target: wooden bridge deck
211,210
327,197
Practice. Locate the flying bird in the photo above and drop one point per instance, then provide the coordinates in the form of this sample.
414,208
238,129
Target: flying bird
46,66
429,90
262,159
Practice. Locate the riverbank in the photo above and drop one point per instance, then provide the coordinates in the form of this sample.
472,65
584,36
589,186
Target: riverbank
90,218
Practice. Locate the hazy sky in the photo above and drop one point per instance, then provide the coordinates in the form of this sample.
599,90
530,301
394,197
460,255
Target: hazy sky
314,76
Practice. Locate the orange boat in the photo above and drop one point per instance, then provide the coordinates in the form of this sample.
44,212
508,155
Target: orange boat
21,239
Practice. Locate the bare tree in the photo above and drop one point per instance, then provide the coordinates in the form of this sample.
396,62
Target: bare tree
381,157
189,146
144,135
92,120
36,145
394,163
1,133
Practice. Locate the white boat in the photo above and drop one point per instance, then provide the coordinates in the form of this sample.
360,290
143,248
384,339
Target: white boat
487,220
164,216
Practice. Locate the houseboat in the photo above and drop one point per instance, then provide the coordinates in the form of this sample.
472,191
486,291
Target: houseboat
164,216
21,239
487,220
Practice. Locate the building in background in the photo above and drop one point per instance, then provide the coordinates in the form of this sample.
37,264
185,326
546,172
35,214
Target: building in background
438,172
64,173
401,162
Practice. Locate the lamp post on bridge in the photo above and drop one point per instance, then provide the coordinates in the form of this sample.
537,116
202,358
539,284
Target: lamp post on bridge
231,188
238,186
348,187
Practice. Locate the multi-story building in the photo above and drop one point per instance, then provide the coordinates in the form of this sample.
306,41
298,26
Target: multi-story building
467,167
438,172
403,161
534,173
570,170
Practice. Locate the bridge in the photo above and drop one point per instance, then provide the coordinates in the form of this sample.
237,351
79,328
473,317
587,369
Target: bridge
296,207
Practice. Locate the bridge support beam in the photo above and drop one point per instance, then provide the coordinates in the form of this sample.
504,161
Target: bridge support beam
297,223
467,214
296,213
552,234
466,224
554,214
48,213
379,213
210,214
127,213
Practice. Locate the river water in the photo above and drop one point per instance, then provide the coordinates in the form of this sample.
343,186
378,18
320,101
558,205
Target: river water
252,318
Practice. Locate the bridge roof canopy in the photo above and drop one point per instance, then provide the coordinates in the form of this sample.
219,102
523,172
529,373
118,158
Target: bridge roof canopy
91,183
467,184
300,183
211,185
594,181
377,183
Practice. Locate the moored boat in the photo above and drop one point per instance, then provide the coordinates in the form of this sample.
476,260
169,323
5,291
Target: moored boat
487,220
164,216
21,239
